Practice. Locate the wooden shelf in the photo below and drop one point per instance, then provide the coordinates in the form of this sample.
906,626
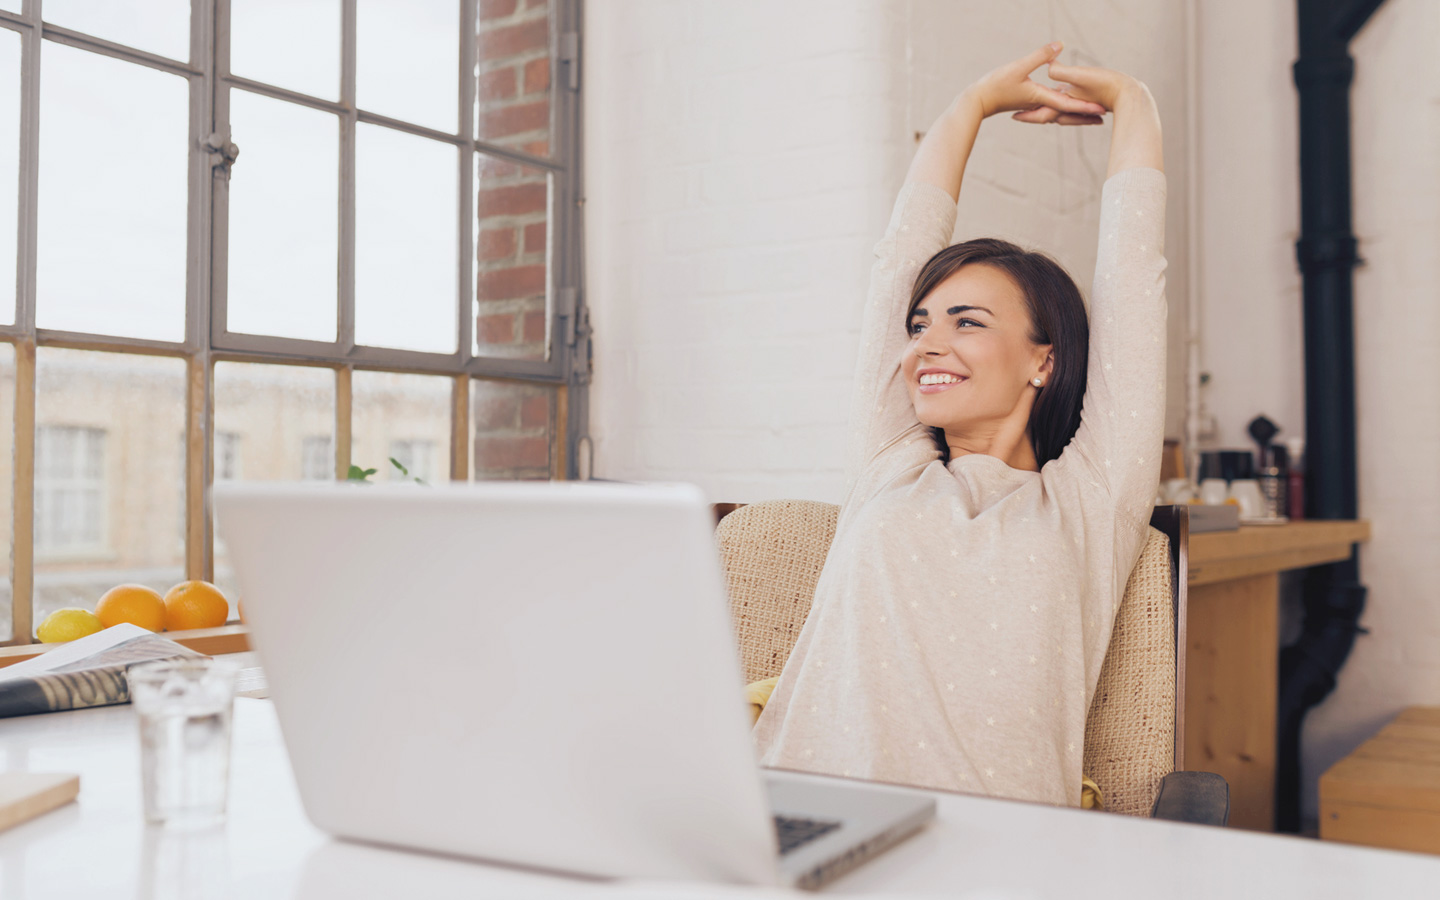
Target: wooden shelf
210,641
1265,549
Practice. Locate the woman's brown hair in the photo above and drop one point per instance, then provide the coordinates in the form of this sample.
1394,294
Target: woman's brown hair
1057,318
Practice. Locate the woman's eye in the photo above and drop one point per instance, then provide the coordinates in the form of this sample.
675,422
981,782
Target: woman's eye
964,322
916,328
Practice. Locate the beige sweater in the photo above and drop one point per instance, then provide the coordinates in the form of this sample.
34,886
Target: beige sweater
963,612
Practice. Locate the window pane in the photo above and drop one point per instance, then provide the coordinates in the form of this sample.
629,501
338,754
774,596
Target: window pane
407,60
284,220
7,482
109,485
9,169
159,26
512,253
113,139
514,428
278,415
513,94
292,44
404,417
405,244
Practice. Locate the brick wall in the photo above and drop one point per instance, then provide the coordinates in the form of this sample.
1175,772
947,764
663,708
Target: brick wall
513,234
513,426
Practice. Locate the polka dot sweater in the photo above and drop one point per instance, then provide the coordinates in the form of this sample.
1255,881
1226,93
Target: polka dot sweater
964,610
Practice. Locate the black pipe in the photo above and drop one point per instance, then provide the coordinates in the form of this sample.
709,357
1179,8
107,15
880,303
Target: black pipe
1326,252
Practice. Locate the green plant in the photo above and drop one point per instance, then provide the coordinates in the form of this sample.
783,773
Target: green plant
405,472
363,475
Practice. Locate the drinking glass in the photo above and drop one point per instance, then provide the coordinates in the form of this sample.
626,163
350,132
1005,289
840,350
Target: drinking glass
184,708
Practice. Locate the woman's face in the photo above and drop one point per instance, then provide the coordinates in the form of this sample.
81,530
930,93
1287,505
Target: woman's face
970,361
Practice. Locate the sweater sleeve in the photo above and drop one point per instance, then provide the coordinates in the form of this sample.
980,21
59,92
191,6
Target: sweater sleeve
1122,421
920,226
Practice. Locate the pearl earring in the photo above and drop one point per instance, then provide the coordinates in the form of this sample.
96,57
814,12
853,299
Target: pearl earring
1037,381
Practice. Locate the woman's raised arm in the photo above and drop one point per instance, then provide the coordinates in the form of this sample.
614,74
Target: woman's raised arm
943,153
1135,142
922,225
1122,421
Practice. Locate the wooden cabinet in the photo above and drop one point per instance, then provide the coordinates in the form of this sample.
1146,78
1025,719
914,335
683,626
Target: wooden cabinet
1232,648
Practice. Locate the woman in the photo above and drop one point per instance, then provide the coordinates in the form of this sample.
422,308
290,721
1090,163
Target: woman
991,519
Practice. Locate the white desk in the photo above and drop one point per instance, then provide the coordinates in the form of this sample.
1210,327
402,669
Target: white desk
99,847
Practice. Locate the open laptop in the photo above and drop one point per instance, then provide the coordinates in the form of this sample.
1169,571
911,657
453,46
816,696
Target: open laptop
541,674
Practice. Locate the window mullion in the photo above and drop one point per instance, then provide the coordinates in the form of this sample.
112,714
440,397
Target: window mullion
346,288
29,159
460,449
460,429
465,281
343,381
22,575
199,459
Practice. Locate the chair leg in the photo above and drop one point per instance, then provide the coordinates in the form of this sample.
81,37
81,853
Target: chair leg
1201,798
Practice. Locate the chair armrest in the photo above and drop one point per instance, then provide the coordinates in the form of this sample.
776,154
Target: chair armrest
1201,798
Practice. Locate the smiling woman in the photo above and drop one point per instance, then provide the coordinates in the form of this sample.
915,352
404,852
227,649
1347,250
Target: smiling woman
990,523
1033,338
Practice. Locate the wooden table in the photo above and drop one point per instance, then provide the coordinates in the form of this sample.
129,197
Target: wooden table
1233,651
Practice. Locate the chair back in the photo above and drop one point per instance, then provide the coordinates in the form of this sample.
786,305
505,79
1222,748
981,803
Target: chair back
773,553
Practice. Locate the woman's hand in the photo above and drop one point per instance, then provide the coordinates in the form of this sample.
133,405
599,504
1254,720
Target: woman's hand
1136,140
1009,88
1106,87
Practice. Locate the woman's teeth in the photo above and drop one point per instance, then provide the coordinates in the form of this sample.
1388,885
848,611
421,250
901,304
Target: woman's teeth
939,379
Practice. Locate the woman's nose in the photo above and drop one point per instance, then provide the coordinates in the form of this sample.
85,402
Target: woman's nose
925,345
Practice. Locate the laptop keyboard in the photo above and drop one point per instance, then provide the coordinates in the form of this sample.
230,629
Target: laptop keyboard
795,833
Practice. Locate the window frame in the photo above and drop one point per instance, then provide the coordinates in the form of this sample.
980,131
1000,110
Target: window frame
566,367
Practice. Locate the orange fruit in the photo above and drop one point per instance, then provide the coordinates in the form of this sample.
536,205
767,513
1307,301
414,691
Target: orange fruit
133,603
195,604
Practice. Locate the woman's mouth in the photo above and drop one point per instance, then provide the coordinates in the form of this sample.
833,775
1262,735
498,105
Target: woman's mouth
935,382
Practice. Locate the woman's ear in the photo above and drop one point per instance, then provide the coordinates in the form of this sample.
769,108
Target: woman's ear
1047,367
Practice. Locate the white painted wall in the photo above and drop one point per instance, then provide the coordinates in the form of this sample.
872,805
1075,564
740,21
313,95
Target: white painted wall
1252,317
741,162
736,172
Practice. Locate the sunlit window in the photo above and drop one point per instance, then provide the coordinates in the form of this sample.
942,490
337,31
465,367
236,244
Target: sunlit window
309,248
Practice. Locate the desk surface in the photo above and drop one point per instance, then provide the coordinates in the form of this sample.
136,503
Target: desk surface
99,847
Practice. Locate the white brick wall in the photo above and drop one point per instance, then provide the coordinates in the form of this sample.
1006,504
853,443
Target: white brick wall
735,188
741,162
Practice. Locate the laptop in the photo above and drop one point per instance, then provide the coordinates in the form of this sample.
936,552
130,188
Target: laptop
536,674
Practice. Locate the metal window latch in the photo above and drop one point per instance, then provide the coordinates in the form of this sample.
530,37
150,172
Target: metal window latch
576,331
569,57
223,152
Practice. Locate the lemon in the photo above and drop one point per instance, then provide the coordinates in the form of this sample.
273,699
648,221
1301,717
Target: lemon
67,625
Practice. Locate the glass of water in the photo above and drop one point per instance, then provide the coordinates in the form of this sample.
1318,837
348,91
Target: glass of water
184,708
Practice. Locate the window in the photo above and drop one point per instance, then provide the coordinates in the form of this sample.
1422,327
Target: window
317,458
418,458
69,489
227,456
281,228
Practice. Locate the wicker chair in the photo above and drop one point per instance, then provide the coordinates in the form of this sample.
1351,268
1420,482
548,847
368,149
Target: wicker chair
773,552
